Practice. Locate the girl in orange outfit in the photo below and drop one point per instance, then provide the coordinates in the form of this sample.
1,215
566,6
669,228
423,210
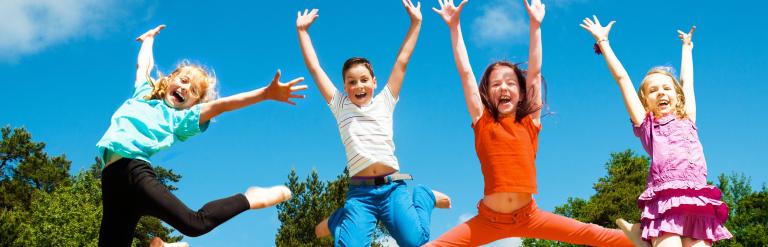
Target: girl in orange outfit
506,111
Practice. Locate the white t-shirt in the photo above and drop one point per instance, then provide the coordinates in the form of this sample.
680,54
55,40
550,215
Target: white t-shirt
366,131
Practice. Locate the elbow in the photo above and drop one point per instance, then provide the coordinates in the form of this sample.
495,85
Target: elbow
464,73
401,64
620,78
534,73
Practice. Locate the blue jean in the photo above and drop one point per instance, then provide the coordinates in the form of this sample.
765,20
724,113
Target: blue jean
404,209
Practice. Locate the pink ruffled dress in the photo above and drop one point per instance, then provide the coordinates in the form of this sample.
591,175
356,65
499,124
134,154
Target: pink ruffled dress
677,198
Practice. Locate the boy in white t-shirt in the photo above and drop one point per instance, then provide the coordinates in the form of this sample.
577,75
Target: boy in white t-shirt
377,191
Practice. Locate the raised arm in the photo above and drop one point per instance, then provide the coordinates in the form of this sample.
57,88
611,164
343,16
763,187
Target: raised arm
536,14
631,100
451,16
406,49
324,84
276,90
146,61
686,73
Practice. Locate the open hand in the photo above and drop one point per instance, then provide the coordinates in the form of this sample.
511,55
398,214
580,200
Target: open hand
535,10
150,34
687,38
303,21
597,30
283,92
413,11
450,13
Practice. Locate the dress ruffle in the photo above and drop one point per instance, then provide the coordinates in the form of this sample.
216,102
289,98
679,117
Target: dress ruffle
684,208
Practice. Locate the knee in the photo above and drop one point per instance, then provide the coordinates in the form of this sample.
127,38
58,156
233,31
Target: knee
195,230
413,238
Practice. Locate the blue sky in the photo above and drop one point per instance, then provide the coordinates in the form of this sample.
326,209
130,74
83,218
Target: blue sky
65,67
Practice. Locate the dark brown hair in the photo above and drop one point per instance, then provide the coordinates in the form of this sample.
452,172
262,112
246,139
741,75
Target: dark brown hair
356,61
526,105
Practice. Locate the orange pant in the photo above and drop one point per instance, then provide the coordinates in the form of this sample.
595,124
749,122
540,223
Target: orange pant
528,222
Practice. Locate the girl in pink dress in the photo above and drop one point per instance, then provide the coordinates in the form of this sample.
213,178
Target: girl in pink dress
678,207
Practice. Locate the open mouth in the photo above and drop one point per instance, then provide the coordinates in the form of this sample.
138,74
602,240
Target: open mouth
361,95
178,96
663,103
504,100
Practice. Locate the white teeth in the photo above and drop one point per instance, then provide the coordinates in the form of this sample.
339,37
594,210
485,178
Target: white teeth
179,95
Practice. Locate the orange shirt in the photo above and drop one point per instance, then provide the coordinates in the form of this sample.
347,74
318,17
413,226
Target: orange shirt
507,153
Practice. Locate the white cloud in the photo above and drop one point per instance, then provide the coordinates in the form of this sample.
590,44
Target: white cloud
561,3
501,21
465,217
506,21
388,241
30,26
507,242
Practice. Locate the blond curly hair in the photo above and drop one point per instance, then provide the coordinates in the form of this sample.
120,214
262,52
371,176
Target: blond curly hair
667,71
203,82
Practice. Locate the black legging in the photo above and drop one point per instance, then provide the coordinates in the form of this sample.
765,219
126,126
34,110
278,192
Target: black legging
130,189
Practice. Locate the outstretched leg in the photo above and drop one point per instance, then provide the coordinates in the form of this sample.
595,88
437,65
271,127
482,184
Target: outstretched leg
267,197
546,225
154,199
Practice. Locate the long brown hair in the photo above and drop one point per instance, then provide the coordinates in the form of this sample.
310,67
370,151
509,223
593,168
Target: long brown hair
526,105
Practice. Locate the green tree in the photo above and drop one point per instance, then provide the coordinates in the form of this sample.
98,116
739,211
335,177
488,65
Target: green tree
313,200
748,221
25,167
69,216
615,195
734,187
41,204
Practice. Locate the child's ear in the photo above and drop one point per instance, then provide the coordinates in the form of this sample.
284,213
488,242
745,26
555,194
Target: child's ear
374,82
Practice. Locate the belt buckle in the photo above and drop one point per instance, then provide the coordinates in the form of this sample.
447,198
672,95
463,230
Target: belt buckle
380,180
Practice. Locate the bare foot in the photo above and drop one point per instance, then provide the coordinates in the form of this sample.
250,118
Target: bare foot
321,230
157,242
633,232
441,200
151,33
265,197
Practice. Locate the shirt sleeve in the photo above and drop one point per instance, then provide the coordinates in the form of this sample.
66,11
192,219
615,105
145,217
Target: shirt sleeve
644,132
389,100
142,89
336,102
533,131
186,123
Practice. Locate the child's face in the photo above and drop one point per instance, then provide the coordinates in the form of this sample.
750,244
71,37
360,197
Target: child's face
660,94
504,90
359,85
184,90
